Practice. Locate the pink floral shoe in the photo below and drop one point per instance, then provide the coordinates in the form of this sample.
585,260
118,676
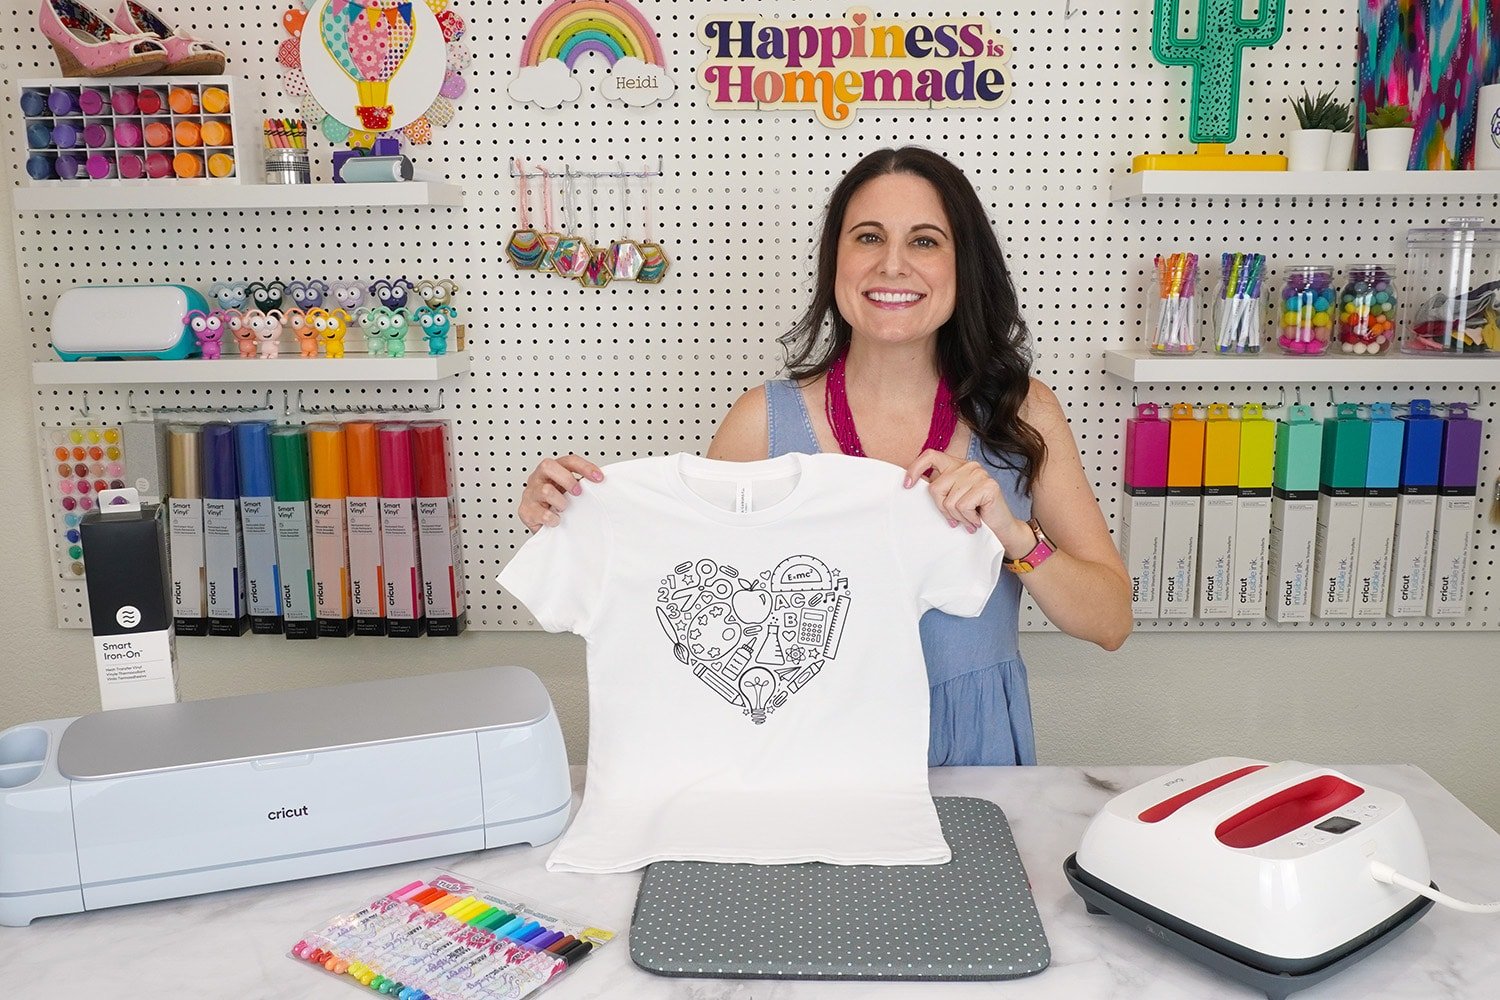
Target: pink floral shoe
186,55
87,45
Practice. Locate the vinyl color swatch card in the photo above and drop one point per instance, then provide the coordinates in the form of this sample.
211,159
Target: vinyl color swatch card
446,937
973,918
78,462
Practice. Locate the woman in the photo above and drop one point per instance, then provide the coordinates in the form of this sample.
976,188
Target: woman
927,367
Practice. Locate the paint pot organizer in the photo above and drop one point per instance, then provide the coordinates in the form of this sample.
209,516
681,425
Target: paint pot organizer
131,130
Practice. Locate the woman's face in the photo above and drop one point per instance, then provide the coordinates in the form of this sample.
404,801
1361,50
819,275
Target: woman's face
897,273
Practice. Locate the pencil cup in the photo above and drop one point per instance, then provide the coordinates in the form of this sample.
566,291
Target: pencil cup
1238,312
1172,315
288,166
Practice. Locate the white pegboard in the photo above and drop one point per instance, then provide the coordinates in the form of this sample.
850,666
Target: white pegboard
639,370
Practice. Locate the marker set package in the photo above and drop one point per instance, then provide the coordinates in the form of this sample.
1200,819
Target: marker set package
447,937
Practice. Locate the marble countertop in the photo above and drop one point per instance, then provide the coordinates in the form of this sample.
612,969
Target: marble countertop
233,944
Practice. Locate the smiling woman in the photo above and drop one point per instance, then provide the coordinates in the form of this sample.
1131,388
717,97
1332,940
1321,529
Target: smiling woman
913,351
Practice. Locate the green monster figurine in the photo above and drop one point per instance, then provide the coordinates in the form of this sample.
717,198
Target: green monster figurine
1214,54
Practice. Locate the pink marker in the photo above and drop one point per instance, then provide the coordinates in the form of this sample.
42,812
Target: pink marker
399,544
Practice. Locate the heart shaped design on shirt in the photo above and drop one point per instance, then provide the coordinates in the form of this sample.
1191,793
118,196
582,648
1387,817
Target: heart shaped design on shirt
754,641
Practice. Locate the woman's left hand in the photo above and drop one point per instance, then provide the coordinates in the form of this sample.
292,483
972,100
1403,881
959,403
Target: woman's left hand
968,495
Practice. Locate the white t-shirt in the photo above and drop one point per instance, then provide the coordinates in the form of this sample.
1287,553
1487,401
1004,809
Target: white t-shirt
757,691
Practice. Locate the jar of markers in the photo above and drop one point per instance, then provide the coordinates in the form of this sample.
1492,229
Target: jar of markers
1306,305
1367,311
1173,313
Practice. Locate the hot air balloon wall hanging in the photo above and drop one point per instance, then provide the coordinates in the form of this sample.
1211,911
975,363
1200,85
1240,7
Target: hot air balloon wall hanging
366,68
568,30
1215,53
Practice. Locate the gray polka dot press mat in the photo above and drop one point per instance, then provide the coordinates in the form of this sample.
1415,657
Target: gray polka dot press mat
972,918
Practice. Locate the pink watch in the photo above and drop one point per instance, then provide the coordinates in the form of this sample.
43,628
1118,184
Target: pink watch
1038,554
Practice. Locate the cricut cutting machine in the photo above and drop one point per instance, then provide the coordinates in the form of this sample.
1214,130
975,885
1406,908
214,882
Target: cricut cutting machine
172,800
1265,872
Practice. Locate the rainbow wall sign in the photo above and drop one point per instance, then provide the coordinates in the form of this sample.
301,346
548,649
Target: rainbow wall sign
567,31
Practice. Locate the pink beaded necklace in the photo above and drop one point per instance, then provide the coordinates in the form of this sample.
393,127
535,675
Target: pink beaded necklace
841,418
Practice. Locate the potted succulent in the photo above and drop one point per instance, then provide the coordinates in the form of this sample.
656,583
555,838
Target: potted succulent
1317,116
1341,143
1388,133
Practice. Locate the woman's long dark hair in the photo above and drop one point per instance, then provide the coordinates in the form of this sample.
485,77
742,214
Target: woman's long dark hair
983,350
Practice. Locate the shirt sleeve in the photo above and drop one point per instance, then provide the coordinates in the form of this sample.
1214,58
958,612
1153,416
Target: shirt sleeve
559,573
950,569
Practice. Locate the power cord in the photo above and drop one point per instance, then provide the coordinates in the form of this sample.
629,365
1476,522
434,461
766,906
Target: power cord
1383,872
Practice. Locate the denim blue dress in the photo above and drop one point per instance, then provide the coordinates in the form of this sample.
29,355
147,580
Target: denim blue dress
981,710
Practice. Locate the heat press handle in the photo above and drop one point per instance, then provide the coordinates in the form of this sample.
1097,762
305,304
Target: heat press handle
1383,872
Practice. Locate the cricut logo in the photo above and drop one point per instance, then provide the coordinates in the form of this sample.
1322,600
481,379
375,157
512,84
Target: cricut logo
1406,588
129,616
1244,591
1135,588
1287,598
286,812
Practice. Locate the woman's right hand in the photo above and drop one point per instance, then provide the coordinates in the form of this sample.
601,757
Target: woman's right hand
548,487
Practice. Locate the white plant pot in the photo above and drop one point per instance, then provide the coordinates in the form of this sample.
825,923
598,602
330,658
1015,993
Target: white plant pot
1388,148
1307,148
1340,151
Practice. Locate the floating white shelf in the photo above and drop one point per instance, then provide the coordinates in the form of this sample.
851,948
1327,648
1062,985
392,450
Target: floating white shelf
1288,184
165,196
264,371
1140,365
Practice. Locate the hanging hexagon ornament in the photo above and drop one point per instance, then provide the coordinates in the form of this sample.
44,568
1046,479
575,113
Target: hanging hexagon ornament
597,273
654,263
625,260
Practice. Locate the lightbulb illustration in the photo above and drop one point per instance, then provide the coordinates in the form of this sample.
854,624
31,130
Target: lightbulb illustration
757,685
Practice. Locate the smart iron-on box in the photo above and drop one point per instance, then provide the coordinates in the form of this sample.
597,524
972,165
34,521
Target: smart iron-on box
172,800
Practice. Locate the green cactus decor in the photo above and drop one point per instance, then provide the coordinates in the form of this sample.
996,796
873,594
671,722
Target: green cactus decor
1214,53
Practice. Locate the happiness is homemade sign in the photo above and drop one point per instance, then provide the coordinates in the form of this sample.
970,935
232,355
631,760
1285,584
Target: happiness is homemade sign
833,68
